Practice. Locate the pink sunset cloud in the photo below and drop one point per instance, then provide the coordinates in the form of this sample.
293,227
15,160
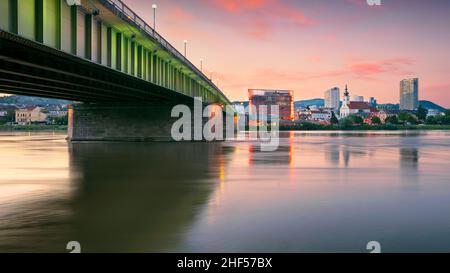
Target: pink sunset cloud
237,6
391,66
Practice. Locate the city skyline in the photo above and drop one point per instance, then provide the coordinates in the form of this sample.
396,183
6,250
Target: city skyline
368,47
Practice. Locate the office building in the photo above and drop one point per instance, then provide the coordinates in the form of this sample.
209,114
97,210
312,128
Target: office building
332,97
409,94
283,98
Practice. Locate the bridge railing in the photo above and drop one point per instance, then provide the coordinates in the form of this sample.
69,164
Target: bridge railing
129,15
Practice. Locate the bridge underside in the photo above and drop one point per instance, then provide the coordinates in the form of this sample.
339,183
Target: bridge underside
116,106
30,68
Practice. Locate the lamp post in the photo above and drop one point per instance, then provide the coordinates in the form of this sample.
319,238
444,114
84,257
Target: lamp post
210,75
154,7
201,65
185,48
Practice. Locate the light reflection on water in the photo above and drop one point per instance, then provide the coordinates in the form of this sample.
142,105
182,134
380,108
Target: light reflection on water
320,192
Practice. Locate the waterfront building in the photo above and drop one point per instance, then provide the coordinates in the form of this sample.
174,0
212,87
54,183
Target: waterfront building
56,111
332,98
433,113
373,102
320,115
30,114
283,98
409,94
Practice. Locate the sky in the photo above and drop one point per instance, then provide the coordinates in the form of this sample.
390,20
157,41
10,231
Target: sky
310,46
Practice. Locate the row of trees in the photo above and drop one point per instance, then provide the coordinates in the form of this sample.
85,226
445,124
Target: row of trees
420,118
8,118
402,118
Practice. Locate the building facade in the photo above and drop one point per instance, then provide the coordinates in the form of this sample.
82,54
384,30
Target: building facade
283,98
354,107
30,115
332,98
320,115
409,94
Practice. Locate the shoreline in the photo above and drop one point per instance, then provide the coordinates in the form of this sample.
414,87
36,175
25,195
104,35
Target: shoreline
24,128
299,127
390,127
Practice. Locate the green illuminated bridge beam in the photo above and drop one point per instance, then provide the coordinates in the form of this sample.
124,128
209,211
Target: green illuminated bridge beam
99,51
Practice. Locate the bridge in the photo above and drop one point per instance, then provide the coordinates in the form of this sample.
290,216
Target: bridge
102,54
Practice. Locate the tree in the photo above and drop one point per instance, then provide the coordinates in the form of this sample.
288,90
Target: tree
358,119
412,119
403,116
9,117
346,123
392,119
333,119
422,113
431,120
63,120
376,120
446,118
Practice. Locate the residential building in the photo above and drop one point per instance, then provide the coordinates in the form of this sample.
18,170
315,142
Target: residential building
409,94
320,115
30,114
56,111
433,113
332,98
283,98
382,114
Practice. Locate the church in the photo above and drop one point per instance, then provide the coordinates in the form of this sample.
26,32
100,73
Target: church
354,107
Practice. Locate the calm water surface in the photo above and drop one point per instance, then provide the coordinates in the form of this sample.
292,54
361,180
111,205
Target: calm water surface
320,192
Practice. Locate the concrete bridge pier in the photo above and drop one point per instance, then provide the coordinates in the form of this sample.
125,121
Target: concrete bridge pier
126,122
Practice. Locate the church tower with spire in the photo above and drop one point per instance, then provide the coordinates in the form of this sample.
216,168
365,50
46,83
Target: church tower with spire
346,96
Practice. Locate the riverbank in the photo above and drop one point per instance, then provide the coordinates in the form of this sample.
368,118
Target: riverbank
294,127
33,127
318,127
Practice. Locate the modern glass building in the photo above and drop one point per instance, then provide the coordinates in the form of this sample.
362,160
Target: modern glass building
409,94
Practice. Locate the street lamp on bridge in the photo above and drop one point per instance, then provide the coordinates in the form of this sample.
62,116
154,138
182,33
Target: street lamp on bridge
185,48
154,7
201,64
210,75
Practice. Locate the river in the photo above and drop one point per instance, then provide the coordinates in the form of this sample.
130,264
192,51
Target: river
319,192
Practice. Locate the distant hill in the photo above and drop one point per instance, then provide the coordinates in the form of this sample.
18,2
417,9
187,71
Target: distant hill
304,103
25,100
431,105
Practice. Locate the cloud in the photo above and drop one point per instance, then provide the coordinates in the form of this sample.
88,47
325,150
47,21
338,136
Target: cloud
258,19
238,6
178,14
392,66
